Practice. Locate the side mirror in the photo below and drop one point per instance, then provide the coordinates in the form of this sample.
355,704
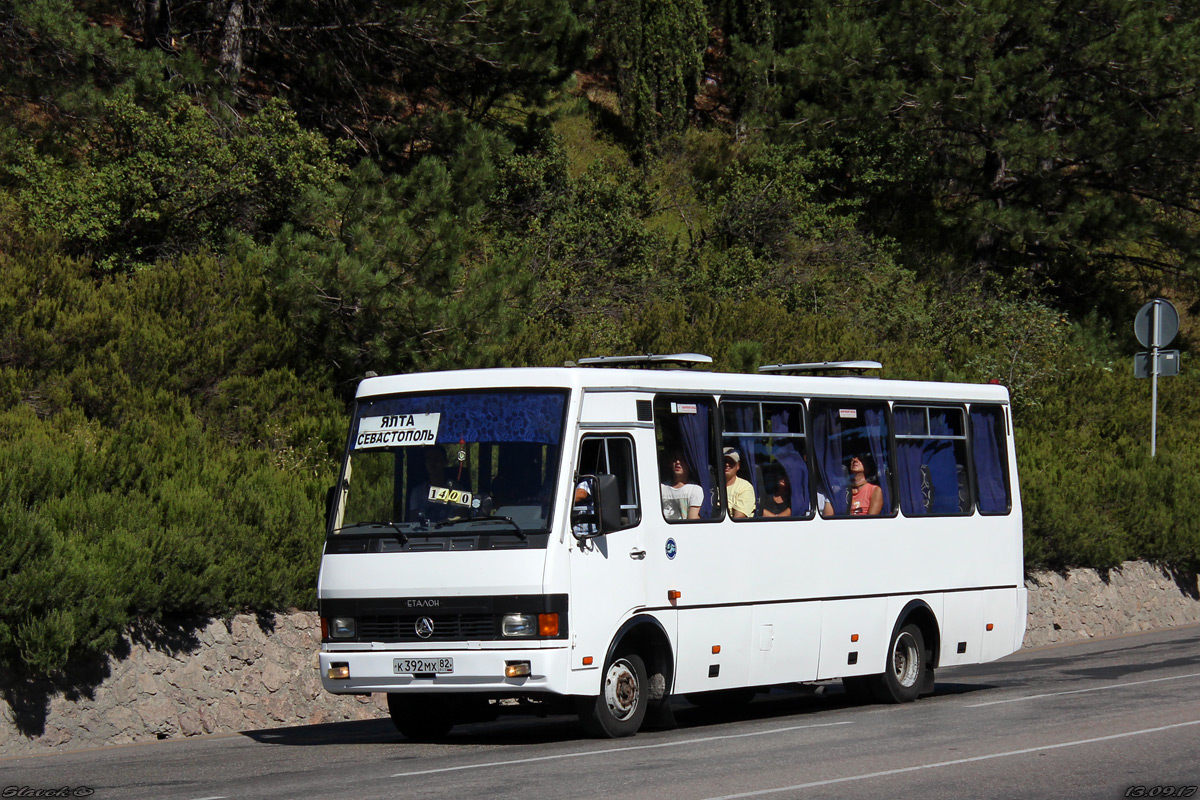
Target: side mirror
600,511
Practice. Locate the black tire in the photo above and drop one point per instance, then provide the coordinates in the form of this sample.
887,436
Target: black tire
620,707
421,717
724,700
907,662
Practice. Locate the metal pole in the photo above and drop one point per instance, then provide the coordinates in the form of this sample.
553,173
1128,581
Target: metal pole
1153,378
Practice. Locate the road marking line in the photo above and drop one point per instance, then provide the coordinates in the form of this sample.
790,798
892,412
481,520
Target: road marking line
609,750
1081,691
956,761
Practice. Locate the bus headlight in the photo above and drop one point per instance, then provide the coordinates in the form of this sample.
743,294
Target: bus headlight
342,628
519,625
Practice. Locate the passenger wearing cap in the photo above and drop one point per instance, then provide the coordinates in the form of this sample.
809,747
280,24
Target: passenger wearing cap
738,490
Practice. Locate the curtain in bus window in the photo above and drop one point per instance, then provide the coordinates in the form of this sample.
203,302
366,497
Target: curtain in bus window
989,463
829,459
793,463
487,416
877,439
695,429
797,473
943,476
928,466
928,477
746,419
909,462
947,462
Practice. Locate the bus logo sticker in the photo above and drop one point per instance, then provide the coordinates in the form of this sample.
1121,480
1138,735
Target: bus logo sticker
671,549
424,627
397,430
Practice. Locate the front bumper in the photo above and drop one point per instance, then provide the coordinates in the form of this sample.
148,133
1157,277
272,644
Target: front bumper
474,671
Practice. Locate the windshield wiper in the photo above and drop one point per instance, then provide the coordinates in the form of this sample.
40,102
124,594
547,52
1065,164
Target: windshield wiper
401,535
490,518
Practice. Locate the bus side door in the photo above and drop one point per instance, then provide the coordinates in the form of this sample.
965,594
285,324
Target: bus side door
607,571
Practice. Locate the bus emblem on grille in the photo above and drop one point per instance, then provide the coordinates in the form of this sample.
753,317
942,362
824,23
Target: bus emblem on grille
424,627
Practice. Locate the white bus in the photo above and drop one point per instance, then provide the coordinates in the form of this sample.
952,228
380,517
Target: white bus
574,537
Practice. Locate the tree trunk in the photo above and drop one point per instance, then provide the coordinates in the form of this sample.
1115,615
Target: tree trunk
230,57
156,24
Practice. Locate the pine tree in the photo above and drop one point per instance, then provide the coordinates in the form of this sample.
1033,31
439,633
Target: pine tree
1051,140
656,49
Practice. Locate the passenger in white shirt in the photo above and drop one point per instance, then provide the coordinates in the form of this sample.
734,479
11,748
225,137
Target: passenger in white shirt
680,499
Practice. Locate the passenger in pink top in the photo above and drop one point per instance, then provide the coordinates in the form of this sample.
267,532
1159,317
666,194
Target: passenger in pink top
865,498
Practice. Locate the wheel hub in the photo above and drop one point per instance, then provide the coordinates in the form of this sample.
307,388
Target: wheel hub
905,660
621,690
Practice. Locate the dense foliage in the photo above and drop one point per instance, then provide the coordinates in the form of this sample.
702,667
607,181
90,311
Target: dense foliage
215,218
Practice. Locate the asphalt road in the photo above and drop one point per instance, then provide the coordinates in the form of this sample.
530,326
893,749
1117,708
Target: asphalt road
1118,717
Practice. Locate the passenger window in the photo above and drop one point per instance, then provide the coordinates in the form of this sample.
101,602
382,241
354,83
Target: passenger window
769,439
850,444
688,468
931,460
613,455
989,451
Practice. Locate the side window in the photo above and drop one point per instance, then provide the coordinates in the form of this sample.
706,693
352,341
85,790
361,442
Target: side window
989,451
771,463
688,469
931,460
850,443
613,455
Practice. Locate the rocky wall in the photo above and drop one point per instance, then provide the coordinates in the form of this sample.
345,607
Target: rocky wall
1084,603
250,673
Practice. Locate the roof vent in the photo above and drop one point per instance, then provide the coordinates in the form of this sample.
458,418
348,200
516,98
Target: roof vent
673,361
824,367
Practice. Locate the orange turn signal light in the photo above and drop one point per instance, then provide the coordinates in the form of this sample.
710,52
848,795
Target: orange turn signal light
674,594
587,661
990,626
854,637
547,624
716,649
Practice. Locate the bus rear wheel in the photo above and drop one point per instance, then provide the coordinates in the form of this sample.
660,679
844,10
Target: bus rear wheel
420,717
620,707
907,663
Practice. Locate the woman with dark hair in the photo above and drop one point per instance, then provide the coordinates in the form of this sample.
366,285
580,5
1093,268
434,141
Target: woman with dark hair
681,499
777,501
865,497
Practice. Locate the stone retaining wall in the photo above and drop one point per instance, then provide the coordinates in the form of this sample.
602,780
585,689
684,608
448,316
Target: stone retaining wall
243,675
1085,604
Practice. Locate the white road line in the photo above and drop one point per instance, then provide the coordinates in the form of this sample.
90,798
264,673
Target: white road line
988,757
609,750
1081,691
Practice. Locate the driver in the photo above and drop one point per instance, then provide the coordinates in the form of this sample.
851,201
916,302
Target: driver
419,504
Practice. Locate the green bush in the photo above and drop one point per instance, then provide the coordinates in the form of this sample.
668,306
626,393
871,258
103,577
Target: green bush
158,457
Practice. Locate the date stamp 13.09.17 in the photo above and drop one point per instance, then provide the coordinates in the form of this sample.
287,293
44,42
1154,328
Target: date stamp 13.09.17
1161,791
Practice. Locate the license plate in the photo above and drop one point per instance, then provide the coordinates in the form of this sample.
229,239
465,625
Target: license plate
412,666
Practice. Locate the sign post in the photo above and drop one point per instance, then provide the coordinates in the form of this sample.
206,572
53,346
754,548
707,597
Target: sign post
1156,324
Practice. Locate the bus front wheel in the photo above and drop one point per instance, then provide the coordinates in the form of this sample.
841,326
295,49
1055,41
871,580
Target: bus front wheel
621,705
904,675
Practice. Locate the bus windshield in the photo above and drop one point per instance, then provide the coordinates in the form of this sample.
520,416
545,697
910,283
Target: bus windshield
479,462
